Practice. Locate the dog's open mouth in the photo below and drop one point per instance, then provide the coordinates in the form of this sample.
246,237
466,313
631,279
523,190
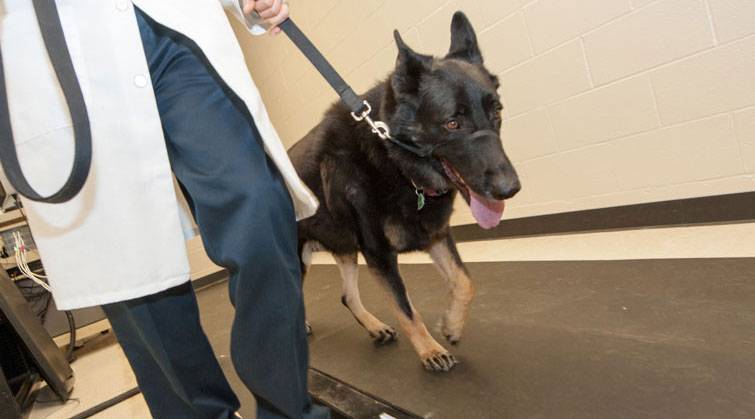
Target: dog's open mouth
487,212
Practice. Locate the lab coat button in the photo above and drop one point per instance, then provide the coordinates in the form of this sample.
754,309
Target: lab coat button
121,5
140,81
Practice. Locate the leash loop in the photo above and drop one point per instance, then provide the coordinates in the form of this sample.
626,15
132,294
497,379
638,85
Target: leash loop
53,36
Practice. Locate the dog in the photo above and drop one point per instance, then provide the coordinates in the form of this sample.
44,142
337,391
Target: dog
380,198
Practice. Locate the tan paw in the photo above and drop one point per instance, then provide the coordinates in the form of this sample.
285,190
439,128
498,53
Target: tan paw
438,361
451,330
384,334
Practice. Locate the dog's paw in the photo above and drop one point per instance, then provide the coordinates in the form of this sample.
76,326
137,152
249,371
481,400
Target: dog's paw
308,328
452,339
384,335
438,361
452,334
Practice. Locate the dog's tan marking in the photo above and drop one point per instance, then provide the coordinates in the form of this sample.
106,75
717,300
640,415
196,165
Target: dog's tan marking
307,250
460,288
433,356
347,265
395,234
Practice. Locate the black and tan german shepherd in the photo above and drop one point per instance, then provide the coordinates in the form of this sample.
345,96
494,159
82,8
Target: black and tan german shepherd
380,199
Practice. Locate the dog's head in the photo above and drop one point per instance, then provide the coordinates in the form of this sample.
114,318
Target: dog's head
451,105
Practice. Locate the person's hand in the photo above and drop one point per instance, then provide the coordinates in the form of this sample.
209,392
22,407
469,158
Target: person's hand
272,11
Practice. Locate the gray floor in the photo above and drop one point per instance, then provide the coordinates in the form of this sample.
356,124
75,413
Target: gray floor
635,339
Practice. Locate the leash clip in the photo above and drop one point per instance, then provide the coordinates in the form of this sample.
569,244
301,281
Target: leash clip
378,127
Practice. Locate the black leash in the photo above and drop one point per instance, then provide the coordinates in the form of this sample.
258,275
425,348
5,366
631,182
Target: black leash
360,108
349,98
52,34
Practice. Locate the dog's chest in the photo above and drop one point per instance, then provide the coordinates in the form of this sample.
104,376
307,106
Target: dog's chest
399,236
414,229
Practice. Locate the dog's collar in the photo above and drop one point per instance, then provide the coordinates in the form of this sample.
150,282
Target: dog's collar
433,192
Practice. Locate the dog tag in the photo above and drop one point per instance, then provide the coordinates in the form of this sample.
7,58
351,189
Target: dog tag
420,199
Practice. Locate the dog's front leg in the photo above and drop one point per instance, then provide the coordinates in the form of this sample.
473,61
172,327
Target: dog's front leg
447,260
383,264
434,357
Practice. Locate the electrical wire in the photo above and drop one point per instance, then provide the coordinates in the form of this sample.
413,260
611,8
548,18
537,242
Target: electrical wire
31,275
23,264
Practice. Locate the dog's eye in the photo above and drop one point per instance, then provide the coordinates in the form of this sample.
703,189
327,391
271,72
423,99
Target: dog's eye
452,124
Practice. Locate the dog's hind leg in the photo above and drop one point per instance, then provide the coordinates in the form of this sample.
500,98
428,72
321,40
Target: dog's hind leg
447,260
379,331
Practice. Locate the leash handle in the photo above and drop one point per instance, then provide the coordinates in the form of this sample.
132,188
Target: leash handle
349,98
55,43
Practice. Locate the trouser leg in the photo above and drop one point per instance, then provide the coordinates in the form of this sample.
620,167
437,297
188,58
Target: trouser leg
245,215
174,364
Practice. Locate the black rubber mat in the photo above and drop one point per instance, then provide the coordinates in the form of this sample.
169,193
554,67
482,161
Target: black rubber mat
605,339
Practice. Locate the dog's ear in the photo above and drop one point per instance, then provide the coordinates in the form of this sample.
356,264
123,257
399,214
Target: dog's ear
409,68
463,40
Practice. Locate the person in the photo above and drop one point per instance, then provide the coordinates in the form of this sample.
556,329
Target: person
168,96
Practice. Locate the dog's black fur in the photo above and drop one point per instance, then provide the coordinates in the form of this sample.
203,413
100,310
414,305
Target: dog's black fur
365,184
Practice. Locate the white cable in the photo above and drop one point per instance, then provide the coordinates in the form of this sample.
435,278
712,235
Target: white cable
26,265
29,274
37,280
23,264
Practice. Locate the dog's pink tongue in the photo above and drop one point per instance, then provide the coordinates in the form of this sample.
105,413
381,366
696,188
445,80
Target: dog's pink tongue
487,213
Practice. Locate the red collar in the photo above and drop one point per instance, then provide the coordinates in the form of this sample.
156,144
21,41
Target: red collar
433,192
428,191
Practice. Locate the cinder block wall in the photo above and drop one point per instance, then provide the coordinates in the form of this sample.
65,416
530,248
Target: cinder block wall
607,102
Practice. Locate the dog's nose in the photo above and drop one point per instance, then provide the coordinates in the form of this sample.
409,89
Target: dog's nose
505,188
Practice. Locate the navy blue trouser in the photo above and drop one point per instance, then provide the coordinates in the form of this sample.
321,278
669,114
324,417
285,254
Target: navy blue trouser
247,221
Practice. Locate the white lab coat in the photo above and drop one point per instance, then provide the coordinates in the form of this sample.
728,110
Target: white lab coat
121,237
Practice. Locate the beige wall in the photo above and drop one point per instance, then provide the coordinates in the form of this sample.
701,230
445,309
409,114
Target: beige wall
608,102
